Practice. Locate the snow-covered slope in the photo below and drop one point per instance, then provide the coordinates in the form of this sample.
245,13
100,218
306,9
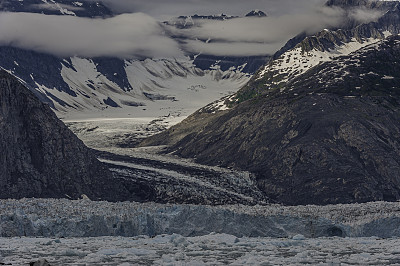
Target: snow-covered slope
131,88
297,61
134,88
105,87
58,7
305,52
78,88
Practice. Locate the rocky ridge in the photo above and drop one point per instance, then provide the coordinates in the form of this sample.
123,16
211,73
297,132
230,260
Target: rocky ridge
304,52
40,157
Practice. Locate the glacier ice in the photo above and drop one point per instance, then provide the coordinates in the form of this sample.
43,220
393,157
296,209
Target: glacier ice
84,218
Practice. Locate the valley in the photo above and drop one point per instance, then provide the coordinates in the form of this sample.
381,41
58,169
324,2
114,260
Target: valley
130,136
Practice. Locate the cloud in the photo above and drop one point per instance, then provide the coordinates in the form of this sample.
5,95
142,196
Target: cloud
268,29
364,15
255,36
165,8
251,36
133,35
232,48
124,36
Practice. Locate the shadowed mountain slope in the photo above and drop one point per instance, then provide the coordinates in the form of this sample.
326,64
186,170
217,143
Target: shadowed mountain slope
40,157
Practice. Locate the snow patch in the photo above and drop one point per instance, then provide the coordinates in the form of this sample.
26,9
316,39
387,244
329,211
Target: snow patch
296,62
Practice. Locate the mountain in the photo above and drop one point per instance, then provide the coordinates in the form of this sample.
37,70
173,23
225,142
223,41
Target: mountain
78,87
313,132
256,13
40,157
187,22
89,9
204,61
304,52
92,85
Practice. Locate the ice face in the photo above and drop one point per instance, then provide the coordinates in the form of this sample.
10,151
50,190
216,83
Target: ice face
84,218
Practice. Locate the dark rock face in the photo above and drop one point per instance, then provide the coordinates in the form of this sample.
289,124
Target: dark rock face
332,136
40,157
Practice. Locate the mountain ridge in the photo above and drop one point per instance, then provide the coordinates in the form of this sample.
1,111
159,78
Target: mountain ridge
41,157
336,144
304,52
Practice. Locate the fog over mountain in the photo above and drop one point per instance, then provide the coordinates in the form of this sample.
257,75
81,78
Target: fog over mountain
139,31
74,36
171,8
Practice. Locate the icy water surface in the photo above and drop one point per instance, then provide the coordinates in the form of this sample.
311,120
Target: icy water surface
213,249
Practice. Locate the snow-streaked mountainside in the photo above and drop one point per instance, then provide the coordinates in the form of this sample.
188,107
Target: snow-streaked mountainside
79,88
303,53
88,9
134,88
316,124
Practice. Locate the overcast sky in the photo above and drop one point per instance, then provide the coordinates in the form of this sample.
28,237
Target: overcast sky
166,8
139,32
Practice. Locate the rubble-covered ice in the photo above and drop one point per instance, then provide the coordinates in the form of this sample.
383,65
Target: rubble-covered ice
84,218
211,249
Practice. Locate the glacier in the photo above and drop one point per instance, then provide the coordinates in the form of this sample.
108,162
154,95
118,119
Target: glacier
85,218
82,232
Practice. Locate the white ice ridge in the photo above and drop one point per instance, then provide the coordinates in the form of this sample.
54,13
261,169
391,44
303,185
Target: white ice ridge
84,218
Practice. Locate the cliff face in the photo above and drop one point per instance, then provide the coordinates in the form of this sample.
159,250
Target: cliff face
40,157
331,135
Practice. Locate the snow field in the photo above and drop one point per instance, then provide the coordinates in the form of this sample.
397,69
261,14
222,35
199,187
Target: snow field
173,87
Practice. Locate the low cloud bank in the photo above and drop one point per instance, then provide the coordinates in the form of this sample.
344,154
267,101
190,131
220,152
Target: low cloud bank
125,36
139,35
260,36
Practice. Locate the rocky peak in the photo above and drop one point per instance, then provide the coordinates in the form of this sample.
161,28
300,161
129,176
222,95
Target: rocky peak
256,13
304,52
328,39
